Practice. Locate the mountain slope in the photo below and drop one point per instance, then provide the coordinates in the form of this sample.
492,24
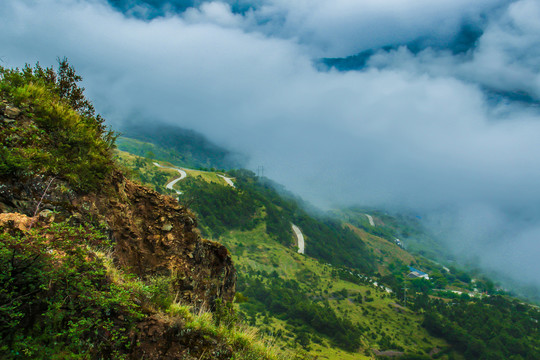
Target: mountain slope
317,298
93,265
343,308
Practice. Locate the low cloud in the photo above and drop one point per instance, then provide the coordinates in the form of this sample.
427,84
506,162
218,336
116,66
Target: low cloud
410,131
505,58
345,27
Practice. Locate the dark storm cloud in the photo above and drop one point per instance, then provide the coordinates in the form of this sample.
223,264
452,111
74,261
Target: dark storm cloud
410,130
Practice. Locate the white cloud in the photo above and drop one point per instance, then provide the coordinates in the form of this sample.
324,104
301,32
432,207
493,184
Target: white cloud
505,59
411,130
214,13
345,27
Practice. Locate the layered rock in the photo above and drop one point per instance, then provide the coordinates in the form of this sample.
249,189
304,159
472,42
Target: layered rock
152,234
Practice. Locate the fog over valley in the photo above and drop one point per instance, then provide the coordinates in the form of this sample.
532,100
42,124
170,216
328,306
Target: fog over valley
439,118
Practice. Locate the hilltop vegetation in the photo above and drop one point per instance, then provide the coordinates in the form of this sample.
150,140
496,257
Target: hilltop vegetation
65,139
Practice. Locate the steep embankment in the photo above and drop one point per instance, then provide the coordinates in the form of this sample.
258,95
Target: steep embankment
93,265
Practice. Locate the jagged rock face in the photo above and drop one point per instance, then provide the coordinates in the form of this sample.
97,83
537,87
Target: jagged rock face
160,339
152,233
24,195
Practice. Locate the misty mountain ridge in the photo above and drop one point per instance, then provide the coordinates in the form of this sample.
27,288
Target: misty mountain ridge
181,146
408,125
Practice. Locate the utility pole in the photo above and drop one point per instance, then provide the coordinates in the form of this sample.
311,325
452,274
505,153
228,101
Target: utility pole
260,171
405,295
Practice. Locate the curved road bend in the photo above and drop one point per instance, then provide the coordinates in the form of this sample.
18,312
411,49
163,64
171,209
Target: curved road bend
370,218
300,238
228,180
170,185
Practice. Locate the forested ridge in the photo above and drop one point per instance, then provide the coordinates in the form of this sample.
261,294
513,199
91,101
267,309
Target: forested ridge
495,327
255,200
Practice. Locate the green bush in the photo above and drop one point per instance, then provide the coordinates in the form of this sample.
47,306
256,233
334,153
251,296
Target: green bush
56,300
64,138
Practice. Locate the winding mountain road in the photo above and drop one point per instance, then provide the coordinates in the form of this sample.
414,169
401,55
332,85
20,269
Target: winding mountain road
370,218
170,185
228,180
183,175
299,238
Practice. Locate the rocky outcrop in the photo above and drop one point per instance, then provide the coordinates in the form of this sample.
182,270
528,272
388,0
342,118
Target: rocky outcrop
162,339
152,234
17,223
11,112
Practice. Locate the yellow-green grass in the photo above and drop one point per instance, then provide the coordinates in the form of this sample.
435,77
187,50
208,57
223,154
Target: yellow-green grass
385,251
146,167
245,341
255,250
206,176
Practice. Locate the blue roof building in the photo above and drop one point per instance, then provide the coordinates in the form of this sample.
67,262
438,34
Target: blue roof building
415,273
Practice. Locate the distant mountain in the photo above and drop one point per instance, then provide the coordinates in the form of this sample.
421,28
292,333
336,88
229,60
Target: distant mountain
177,145
464,41
149,9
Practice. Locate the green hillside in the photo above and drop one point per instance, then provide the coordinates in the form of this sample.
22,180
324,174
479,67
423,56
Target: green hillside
326,304
304,302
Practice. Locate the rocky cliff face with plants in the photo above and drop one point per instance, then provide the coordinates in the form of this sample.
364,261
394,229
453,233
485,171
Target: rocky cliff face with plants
151,234
92,264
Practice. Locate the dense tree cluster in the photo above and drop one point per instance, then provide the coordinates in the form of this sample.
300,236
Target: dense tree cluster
490,328
285,299
221,208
